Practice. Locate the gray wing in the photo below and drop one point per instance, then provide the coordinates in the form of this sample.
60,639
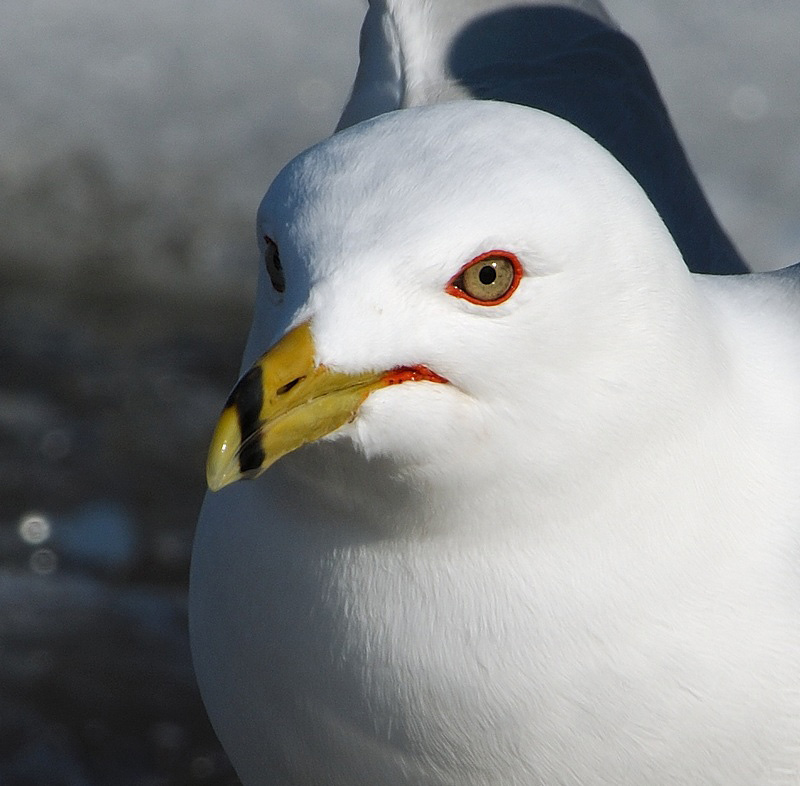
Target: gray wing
567,58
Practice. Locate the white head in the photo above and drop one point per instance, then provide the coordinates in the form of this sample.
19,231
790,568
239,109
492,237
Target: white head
373,224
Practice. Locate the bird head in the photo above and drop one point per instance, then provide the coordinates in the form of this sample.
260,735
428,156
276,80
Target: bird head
438,281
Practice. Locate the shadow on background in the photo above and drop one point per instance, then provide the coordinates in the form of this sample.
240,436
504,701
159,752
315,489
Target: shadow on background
575,66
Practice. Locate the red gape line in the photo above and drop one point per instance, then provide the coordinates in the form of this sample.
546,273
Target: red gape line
411,374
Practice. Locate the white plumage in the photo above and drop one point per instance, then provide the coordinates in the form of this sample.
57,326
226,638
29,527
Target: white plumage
577,563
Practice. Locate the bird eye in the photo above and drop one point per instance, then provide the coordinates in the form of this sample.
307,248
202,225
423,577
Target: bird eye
274,268
488,280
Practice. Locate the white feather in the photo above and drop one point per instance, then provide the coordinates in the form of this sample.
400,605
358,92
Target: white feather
576,564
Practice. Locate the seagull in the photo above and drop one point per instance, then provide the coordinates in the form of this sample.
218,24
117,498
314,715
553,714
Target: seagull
567,57
522,491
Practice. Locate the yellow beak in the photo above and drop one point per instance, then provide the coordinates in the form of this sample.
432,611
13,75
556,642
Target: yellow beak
284,401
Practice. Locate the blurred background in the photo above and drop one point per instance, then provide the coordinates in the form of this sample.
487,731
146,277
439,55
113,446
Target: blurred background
136,141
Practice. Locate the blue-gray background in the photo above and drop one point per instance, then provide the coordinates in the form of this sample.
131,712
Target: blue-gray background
136,140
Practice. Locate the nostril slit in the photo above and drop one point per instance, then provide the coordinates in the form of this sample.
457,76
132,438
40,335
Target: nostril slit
289,385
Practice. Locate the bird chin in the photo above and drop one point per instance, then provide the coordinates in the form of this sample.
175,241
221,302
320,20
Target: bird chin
411,424
333,487
377,474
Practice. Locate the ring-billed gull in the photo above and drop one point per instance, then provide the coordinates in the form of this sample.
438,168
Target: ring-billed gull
535,518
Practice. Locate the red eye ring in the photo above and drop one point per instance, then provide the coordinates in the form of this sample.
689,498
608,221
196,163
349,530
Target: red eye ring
512,270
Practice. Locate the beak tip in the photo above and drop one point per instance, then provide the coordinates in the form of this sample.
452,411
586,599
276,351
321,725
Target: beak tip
215,482
220,474
222,466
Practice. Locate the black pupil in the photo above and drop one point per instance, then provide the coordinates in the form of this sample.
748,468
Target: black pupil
487,275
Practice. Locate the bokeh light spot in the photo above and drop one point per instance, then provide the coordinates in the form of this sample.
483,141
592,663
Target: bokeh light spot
43,562
34,528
